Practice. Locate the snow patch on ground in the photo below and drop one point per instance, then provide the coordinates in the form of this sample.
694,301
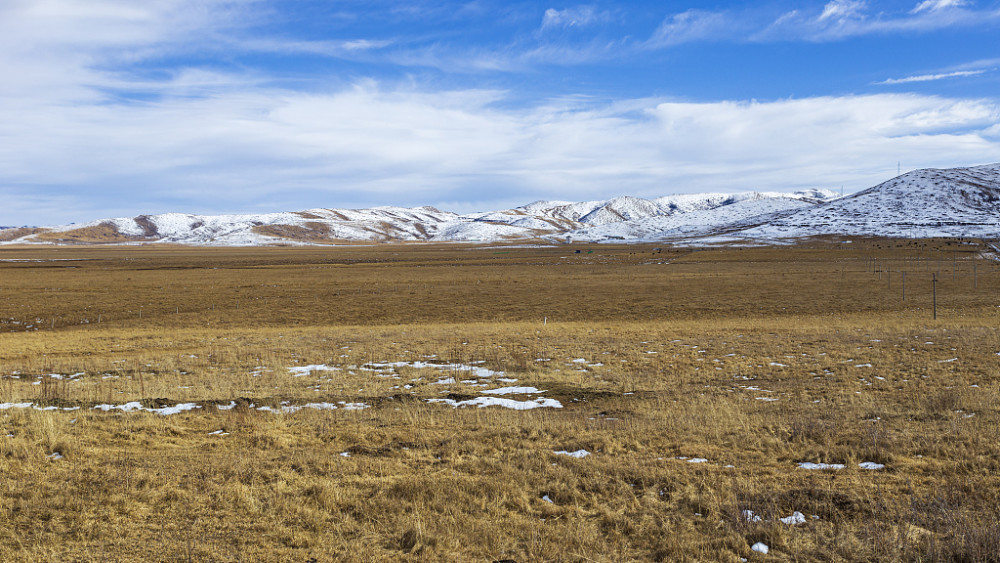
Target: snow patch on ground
481,402
820,466
513,391
300,371
476,371
871,465
579,454
794,519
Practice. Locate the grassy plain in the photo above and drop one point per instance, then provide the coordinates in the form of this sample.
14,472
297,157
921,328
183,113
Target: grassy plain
753,360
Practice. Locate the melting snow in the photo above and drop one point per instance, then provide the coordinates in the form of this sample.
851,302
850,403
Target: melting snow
176,409
5,406
300,371
127,407
795,518
513,391
481,402
871,465
576,454
476,371
286,408
810,465
183,407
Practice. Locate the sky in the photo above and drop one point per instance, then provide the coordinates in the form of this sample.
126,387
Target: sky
124,107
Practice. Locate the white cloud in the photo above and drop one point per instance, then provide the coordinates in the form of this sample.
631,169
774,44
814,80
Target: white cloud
931,77
330,48
696,25
59,48
841,19
276,149
841,10
824,141
578,16
935,5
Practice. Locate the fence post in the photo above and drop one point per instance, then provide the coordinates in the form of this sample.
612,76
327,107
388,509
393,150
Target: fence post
934,279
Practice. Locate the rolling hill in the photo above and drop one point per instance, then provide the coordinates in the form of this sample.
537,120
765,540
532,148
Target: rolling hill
923,203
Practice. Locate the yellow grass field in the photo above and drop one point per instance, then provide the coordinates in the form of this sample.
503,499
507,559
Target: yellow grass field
407,402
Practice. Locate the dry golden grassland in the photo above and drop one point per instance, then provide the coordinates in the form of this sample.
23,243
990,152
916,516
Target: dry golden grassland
696,381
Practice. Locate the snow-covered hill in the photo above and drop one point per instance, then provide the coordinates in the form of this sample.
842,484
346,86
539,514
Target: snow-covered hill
923,203
619,218
954,202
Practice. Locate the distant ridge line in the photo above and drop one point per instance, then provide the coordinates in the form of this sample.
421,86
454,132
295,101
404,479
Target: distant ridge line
956,202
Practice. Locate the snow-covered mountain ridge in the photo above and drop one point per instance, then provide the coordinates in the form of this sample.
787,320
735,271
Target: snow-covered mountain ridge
956,202
931,202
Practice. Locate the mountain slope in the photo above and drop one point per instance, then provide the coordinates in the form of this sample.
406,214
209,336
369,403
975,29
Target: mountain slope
618,218
924,203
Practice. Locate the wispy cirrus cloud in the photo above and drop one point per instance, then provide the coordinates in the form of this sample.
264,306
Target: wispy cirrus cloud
843,10
838,19
842,19
696,25
346,48
935,5
577,16
932,77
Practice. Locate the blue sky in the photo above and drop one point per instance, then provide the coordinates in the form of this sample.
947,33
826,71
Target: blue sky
115,107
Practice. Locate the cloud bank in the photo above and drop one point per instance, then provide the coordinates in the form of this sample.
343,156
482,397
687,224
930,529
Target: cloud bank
368,144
